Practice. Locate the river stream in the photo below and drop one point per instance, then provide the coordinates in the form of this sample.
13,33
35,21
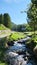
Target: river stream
22,57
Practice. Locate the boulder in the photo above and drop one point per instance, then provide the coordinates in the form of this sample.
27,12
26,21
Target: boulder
35,51
14,59
9,55
10,43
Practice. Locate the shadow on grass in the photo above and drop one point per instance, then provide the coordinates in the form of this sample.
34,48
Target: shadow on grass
2,61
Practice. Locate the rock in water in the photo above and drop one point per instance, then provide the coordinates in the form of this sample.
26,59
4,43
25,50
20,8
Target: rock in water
15,59
35,51
10,43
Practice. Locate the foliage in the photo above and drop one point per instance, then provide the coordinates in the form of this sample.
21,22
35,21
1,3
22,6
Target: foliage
3,48
28,28
21,28
1,19
3,42
34,38
32,21
34,1
14,26
32,15
6,20
16,36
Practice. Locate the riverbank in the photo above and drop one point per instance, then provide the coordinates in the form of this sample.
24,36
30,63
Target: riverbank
19,37
26,56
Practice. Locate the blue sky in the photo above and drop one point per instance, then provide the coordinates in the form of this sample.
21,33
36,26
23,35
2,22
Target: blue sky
14,8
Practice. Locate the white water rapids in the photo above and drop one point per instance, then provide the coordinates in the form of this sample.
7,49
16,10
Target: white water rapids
14,58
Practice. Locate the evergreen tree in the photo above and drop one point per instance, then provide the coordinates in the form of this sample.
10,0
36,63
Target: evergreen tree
7,20
1,19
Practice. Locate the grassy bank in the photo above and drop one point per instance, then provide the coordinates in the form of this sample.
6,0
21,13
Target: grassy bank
4,31
17,35
20,35
2,27
2,63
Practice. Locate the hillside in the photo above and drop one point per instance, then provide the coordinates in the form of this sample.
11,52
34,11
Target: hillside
4,31
2,27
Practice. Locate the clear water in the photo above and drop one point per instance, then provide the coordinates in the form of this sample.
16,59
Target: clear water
20,48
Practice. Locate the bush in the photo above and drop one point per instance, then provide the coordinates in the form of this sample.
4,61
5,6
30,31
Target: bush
3,42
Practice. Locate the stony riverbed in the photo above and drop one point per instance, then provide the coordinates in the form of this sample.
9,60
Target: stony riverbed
18,55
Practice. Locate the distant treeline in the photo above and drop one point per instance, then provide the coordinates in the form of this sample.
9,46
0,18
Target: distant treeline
22,27
6,21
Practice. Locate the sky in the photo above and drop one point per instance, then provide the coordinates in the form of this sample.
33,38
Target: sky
14,8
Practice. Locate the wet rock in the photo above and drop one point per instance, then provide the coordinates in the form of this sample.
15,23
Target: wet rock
20,41
27,54
10,43
24,63
35,51
14,59
18,48
26,59
9,55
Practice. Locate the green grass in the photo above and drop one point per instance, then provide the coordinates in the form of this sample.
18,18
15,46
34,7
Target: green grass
30,33
4,30
17,35
2,27
1,63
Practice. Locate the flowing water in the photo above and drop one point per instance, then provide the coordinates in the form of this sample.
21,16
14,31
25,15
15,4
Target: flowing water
21,57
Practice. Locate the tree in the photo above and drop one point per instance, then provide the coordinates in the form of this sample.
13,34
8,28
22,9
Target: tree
28,28
1,19
32,15
34,1
7,20
21,27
